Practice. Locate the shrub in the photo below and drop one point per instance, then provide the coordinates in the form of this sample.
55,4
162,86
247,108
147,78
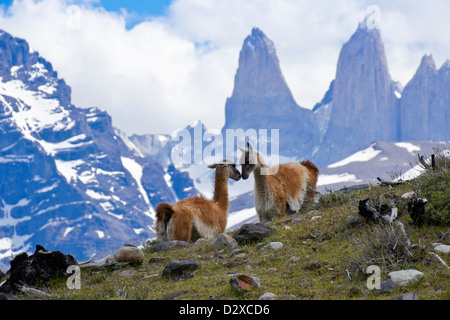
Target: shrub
383,245
435,187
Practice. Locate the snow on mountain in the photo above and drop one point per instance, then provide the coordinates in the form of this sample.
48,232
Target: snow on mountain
70,181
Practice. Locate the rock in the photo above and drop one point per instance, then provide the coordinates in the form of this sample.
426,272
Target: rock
127,273
315,218
224,240
180,269
405,277
173,295
243,282
442,248
407,296
37,269
268,296
274,245
7,296
385,286
408,195
129,253
252,232
298,220
168,245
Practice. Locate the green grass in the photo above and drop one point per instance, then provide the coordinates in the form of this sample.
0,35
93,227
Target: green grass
315,261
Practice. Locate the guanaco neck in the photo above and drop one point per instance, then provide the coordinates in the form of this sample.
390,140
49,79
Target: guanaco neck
221,187
261,183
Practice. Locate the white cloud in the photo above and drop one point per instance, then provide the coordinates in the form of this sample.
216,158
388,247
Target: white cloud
170,71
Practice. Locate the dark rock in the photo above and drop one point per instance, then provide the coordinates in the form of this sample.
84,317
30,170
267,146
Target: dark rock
168,245
386,286
252,232
37,269
416,209
407,296
173,295
180,269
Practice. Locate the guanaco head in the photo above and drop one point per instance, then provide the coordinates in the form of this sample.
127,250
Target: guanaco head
248,160
228,165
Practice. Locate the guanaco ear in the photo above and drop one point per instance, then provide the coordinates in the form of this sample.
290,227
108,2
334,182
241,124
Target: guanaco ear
212,166
249,146
242,149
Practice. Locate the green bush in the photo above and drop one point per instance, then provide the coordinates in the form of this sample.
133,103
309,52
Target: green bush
435,187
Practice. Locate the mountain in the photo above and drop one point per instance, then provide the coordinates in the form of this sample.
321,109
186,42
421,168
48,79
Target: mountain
261,99
364,105
70,181
425,101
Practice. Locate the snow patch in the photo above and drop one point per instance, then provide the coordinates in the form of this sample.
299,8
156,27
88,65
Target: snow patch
360,156
326,179
408,146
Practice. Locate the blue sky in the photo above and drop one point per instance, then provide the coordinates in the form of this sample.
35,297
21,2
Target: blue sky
138,10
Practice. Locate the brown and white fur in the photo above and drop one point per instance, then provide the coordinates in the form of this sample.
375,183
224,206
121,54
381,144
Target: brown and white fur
283,188
198,217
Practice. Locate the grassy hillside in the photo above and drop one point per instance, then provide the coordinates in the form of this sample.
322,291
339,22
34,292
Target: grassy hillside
323,256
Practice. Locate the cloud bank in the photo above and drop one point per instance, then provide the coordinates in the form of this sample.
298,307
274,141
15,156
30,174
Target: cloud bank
169,71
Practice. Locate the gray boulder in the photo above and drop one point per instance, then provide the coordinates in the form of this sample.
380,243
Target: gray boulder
180,269
129,253
224,240
405,277
252,232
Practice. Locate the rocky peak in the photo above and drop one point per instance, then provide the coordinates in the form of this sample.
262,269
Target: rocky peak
19,62
261,98
363,98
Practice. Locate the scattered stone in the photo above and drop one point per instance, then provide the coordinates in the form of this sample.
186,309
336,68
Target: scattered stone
252,232
243,282
180,269
405,277
408,195
407,296
315,218
298,220
385,286
173,295
168,245
128,273
268,296
37,269
199,241
129,253
441,248
274,245
224,240
287,228
34,293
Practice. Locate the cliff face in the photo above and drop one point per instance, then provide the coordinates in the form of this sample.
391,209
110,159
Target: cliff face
261,99
424,106
363,99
